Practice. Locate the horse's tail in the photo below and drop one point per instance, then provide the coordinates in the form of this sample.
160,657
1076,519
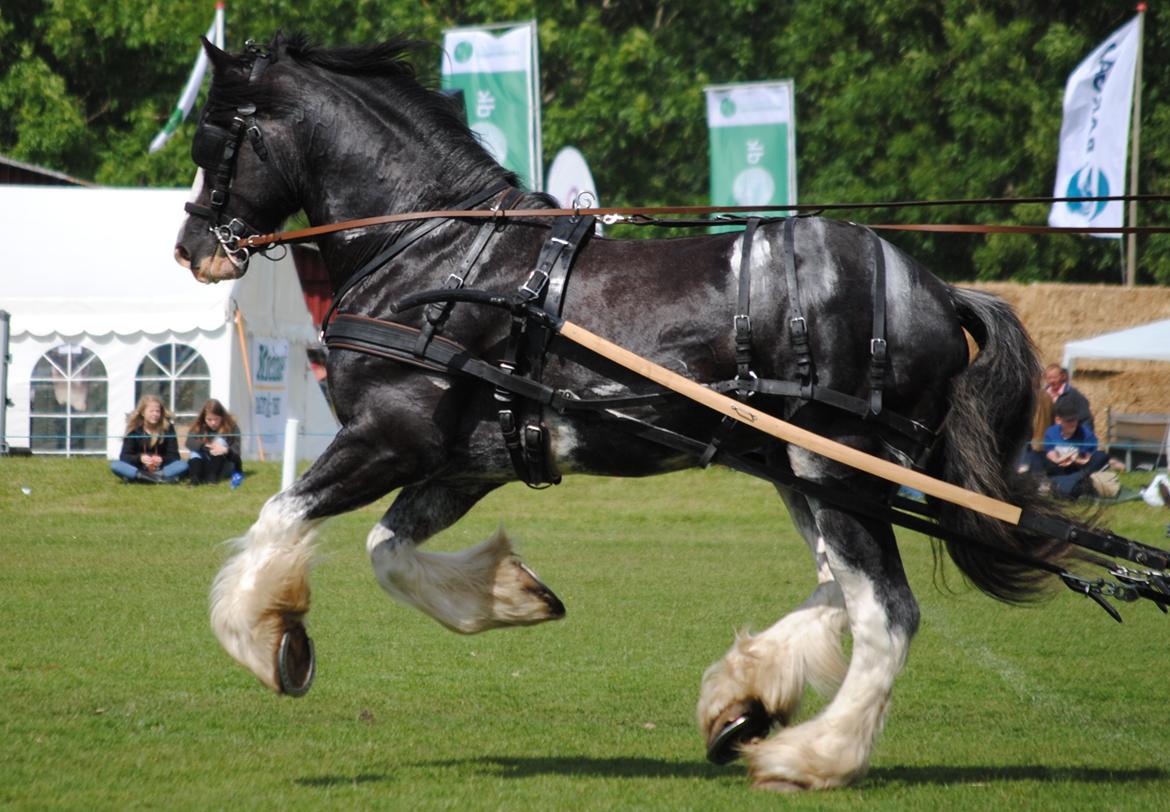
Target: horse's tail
991,405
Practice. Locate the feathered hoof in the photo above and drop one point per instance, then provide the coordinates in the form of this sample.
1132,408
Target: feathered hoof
296,661
737,725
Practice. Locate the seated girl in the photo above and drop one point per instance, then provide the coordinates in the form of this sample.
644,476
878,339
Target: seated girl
214,442
150,449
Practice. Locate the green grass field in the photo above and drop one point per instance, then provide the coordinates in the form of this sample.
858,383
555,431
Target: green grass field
114,694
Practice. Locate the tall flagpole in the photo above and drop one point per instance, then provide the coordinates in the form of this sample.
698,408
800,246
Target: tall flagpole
1131,239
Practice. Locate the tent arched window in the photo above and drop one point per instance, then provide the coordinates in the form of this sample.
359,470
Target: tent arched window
179,375
68,392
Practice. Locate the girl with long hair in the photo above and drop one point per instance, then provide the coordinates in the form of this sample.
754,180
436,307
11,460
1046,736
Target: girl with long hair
150,449
214,443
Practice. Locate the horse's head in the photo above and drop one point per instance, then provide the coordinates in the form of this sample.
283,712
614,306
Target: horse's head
242,150
341,133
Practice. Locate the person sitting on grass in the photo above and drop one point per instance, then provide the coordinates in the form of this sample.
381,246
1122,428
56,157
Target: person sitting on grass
1070,452
214,442
150,449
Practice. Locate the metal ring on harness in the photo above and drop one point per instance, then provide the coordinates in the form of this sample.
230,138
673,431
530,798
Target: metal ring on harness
228,237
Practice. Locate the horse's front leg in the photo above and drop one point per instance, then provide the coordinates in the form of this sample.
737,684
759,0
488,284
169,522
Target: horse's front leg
482,587
261,596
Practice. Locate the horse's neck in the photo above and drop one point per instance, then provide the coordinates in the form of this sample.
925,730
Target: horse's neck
372,167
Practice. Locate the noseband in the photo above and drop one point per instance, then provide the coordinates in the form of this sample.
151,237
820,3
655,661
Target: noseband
215,150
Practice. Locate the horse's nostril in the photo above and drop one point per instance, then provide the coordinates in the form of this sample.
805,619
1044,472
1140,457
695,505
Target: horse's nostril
182,257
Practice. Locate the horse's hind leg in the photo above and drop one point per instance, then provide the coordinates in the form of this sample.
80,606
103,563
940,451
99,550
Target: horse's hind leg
482,587
833,748
769,670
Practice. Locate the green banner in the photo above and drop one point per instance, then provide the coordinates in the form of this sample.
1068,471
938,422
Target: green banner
496,68
753,145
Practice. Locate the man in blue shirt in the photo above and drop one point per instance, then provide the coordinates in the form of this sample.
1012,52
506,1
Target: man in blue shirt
1070,452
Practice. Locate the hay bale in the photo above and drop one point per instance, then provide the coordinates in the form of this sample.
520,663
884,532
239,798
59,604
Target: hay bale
1056,314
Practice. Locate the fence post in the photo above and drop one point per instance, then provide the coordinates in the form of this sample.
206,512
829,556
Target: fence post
288,471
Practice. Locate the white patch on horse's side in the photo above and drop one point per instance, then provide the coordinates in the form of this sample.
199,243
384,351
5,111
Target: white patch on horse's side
607,389
562,438
439,381
805,464
264,586
819,275
833,748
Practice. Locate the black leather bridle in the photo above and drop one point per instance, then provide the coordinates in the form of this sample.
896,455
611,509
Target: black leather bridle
215,150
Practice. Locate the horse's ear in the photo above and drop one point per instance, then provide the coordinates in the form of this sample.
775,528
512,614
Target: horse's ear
277,43
219,59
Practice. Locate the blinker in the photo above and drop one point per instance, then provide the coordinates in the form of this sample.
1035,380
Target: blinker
207,148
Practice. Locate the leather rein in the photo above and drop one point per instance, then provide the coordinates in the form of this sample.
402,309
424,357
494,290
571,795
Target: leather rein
650,215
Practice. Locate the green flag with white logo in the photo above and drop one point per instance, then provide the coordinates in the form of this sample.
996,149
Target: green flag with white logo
496,67
752,130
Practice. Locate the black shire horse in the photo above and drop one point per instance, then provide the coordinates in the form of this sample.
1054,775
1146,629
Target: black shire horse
348,133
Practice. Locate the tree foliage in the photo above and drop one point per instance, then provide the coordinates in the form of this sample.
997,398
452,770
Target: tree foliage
895,99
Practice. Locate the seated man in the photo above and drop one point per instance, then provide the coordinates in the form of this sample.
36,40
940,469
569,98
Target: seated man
1059,389
1070,452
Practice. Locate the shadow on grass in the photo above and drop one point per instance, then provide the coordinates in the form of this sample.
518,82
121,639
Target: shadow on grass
1005,774
516,767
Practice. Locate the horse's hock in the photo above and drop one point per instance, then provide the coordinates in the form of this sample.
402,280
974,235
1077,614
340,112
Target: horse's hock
1058,313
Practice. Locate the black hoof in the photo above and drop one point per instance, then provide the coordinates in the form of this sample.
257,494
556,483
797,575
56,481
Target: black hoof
296,663
752,724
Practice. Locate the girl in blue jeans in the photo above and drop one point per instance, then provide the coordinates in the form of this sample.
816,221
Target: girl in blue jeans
150,449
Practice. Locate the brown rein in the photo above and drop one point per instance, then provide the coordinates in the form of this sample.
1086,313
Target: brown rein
613,216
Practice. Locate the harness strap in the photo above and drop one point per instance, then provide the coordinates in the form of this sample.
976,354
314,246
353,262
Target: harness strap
397,342
878,359
399,245
437,313
742,322
797,326
562,246
528,440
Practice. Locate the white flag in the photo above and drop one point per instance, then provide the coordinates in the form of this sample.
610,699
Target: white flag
1095,132
191,89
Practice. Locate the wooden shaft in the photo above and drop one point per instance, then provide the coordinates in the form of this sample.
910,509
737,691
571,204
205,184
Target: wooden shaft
786,431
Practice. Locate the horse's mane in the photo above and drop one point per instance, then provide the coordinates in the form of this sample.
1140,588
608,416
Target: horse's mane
231,86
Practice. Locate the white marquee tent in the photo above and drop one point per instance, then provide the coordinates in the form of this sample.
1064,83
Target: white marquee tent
100,312
1147,342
